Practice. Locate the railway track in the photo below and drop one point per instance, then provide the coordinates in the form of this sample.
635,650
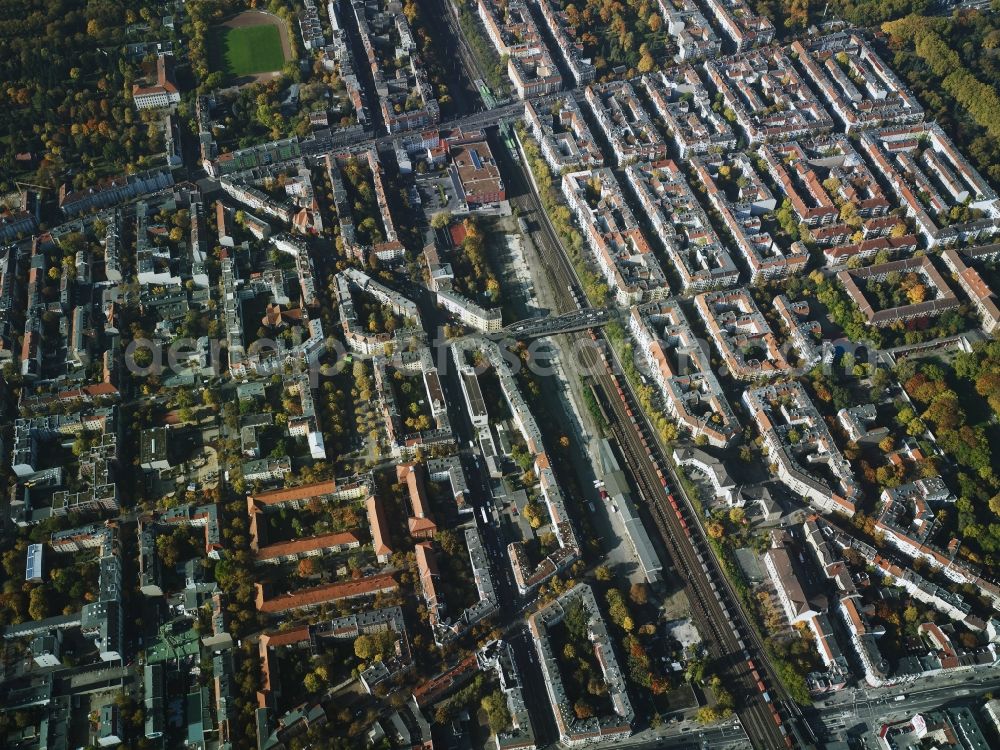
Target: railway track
714,614
469,59
732,641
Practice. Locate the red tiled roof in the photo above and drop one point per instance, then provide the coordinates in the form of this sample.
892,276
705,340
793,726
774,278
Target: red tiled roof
417,525
163,83
289,494
376,520
430,691
327,593
321,541
285,637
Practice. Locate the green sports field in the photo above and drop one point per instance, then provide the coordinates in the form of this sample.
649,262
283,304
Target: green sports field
246,50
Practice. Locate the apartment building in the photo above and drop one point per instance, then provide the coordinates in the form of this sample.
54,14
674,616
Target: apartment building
770,100
573,731
112,191
260,155
445,625
798,442
563,135
942,296
742,334
744,28
311,27
804,332
694,248
945,196
743,201
317,596
627,262
527,577
713,470
516,36
356,334
860,89
405,437
625,123
694,36
681,99
571,48
679,367
261,505
484,320
498,656
404,92
782,569
830,189
962,265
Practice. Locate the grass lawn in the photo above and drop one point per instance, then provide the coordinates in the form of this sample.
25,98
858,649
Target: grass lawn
245,51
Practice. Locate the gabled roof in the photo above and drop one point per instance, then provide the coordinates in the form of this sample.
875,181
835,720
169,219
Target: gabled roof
377,523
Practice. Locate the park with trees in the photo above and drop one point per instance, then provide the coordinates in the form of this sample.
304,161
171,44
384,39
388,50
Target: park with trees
950,64
619,35
960,402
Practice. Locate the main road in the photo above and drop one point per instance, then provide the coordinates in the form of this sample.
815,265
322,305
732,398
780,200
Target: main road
732,641
864,709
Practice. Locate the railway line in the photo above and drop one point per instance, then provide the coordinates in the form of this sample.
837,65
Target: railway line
448,11
758,713
733,642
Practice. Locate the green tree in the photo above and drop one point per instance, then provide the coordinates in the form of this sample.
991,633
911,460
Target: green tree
495,706
39,604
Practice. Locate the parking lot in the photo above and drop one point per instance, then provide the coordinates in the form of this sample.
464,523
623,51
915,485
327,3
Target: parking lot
437,193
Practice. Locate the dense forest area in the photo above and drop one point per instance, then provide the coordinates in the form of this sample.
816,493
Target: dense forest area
629,36
62,102
794,16
68,67
960,402
953,65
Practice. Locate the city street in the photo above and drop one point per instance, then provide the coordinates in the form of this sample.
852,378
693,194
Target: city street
858,710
